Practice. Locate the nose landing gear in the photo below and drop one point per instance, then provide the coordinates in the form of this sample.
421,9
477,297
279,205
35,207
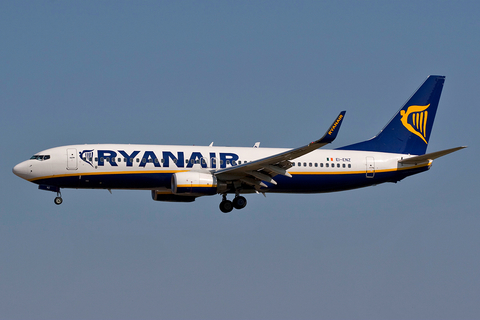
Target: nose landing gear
227,206
58,199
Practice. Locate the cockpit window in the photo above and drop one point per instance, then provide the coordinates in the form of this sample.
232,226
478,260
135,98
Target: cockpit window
40,157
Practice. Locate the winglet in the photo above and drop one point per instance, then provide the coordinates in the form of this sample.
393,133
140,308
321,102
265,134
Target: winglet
331,134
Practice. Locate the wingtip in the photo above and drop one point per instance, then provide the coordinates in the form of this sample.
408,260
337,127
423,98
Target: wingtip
333,130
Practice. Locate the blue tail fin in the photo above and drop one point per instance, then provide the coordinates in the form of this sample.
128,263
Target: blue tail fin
409,130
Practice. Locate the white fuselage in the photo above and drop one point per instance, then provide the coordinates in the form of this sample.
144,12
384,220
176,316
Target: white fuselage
125,166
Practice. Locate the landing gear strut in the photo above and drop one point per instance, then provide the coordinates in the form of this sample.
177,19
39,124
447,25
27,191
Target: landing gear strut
227,206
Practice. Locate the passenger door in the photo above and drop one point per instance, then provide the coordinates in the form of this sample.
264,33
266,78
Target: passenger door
72,159
370,167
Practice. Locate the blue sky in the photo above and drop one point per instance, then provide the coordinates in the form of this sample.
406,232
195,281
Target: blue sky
236,73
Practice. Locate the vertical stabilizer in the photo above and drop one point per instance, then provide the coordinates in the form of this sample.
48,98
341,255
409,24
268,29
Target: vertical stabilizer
409,130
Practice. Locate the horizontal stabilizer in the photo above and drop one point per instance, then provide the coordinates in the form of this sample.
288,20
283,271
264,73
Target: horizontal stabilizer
429,156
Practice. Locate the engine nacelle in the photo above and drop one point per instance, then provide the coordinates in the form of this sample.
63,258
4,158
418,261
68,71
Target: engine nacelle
196,184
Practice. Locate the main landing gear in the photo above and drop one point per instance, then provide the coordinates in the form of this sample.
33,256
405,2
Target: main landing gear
238,202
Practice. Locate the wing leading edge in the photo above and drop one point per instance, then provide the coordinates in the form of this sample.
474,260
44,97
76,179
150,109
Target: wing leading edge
253,173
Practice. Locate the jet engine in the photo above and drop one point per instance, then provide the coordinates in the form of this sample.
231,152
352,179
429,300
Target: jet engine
198,184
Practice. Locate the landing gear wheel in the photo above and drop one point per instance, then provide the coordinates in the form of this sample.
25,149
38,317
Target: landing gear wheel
226,206
58,200
239,202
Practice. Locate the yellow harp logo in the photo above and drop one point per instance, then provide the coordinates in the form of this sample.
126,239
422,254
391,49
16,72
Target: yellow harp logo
418,120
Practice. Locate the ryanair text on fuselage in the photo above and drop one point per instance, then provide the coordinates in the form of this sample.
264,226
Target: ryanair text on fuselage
168,159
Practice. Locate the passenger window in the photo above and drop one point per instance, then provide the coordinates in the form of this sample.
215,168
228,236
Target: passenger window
299,164
338,165
349,165
321,165
293,164
326,165
343,165
228,161
156,160
316,164
310,164
304,164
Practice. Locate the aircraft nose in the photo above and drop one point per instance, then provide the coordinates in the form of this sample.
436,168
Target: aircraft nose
22,170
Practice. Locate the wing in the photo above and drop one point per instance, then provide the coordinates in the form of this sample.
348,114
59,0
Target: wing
253,173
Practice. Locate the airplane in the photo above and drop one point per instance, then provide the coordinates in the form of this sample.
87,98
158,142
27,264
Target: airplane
183,173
